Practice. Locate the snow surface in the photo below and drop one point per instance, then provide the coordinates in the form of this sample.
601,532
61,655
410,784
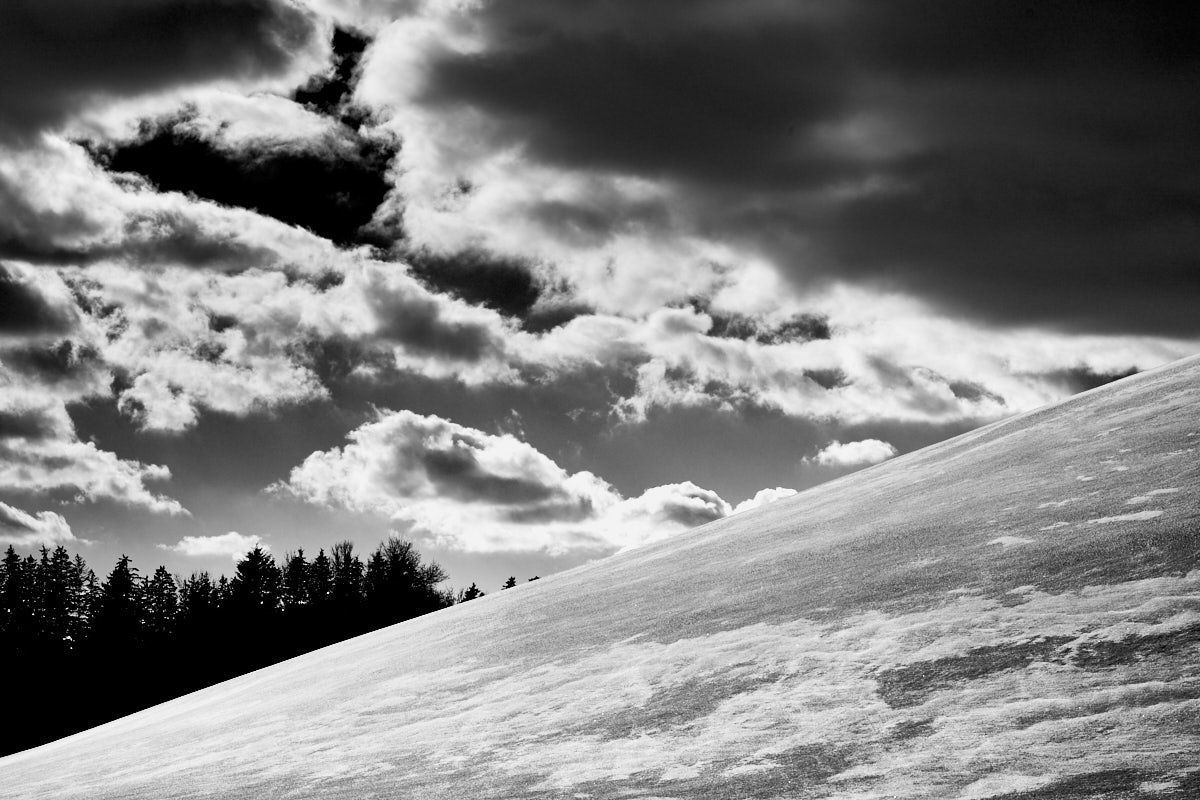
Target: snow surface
864,639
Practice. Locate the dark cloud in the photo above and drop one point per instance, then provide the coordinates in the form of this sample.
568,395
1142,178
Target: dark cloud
51,364
31,424
1024,164
331,186
57,55
457,473
506,285
1083,378
25,310
510,286
420,324
690,516
800,328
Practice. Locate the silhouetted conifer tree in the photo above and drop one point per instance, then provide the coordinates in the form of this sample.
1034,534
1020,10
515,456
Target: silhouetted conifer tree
198,599
160,602
16,603
257,585
117,619
470,593
295,581
320,581
56,621
348,576
510,583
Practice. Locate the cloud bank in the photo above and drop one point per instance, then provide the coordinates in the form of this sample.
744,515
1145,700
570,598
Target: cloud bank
481,492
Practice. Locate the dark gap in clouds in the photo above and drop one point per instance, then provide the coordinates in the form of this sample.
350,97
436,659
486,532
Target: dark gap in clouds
24,310
59,56
1082,378
51,364
219,323
332,188
800,328
334,360
504,284
33,425
546,317
330,94
973,392
827,378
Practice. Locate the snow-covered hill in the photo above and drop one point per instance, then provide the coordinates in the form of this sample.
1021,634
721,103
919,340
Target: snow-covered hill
1013,613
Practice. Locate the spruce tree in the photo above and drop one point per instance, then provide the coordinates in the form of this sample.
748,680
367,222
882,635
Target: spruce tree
295,581
320,581
117,619
257,585
470,593
160,605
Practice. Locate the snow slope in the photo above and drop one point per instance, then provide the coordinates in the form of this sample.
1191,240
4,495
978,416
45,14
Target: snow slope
1014,613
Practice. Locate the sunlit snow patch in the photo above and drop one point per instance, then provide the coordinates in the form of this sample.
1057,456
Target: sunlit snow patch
1136,516
1010,541
1148,496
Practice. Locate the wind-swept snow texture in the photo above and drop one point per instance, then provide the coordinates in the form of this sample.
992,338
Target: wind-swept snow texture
1014,613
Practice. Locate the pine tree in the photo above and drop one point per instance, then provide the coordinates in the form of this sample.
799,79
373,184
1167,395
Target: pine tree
295,581
160,605
320,580
117,619
470,593
347,578
257,586
198,599
16,603
510,583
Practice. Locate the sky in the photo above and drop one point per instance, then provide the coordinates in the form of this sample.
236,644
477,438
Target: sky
530,282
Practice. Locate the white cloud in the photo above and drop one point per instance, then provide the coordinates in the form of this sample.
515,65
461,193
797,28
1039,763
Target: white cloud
854,454
232,544
477,491
22,529
40,453
764,497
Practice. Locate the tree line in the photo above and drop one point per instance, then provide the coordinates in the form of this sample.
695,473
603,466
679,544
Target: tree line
76,651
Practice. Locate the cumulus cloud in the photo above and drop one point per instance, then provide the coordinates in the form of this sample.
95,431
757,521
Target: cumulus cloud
764,497
232,544
854,454
26,310
22,529
477,491
40,452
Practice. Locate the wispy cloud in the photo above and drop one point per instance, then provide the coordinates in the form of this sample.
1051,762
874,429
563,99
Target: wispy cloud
232,544
23,529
